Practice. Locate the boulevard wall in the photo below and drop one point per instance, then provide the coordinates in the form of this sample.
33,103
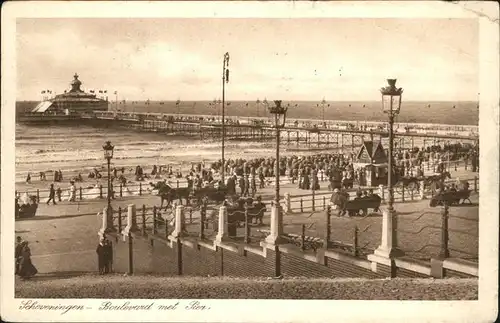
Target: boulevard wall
157,256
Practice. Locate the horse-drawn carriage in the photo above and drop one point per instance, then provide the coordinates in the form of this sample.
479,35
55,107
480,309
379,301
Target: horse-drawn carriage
450,198
341,202
192,196
236,211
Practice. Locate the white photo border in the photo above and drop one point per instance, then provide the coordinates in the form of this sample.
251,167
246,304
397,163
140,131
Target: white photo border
484,309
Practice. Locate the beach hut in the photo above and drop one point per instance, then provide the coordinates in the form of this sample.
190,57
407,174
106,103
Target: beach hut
373,159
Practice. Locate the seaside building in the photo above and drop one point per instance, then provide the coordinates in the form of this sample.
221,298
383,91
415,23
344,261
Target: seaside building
74,101
373,158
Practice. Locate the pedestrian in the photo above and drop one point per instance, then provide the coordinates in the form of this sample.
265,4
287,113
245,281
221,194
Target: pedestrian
52,195
108,257
28,179
59,193
101,256
72,192
26,267
17,253
261,208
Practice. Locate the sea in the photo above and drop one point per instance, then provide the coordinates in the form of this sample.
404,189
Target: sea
79,148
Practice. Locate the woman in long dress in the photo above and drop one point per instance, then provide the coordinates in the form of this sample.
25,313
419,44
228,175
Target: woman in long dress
26,267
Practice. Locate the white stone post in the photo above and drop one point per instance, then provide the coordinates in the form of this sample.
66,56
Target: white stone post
381,192
179,221
386,250
104,222
275,237
288,203
131,221
422,190
222,231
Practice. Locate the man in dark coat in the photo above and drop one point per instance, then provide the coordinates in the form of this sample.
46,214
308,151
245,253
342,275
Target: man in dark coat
52,195
108,257
17,253
101,256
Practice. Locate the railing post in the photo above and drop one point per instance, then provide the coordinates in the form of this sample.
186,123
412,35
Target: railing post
121,190
402,193
143,219
301,205
203,212
475,184
247,227
288,203
313,201
140,188
37,195
119,219
456,162
166,227
303,238
328,226
411,194
355,242
81,193
177,183
154,220
222,230
100,191
191,215
179,221
324,202
445,252
422,190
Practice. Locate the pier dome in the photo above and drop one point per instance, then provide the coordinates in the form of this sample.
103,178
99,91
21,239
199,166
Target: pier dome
74,101
75,84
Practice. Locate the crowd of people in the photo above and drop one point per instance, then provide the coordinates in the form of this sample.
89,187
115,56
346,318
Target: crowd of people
246,177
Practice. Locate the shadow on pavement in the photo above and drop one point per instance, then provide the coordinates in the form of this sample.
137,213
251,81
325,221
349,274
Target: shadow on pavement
60,275
48,217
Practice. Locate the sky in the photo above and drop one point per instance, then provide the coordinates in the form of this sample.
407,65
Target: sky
290,59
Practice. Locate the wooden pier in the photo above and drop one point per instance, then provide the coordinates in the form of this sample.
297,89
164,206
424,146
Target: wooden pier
297,134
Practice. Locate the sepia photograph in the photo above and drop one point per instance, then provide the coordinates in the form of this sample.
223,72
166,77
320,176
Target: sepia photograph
165,161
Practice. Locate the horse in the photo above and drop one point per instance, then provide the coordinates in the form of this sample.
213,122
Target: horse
339,200
169,194
436,181
411,182
77,178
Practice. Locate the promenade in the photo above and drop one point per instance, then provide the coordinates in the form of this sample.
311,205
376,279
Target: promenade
63,237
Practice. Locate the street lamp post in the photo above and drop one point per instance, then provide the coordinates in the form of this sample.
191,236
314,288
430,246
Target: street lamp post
108,155
225,79
391,104
279,113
